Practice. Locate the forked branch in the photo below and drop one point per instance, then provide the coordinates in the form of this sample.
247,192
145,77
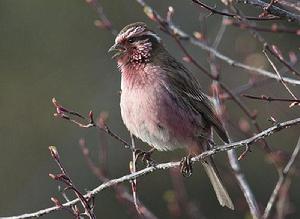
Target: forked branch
163,166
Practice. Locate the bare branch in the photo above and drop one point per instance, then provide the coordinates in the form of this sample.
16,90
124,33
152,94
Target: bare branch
66,179
273,29
236,16
279,75
153,15
274,50
163,166
72,116
123,196
270,4
253,206
277,54
270,99
282,178
275,10
103,21
233,160
132,167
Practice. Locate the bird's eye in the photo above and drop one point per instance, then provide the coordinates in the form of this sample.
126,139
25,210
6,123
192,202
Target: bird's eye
131,40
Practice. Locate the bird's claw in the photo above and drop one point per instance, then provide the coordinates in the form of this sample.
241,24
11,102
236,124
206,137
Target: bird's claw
186,167
145,156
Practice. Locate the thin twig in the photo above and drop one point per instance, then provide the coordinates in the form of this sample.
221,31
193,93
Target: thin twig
252,83
277,54
272,2
253,206
272,29
153,15
270,99
163,166
283,176
290,5
215,45
283,206
215,11
123,196
279,75
270,48
64,113
65,178
103,21
274,10
233,160
132,167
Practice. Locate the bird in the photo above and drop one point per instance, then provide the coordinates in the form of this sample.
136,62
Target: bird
162,103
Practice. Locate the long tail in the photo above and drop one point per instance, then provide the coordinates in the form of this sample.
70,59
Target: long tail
217,184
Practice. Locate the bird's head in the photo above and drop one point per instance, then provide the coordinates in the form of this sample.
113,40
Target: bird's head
135,45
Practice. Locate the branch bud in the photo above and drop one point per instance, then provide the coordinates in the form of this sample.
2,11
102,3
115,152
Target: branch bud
56,202
54,152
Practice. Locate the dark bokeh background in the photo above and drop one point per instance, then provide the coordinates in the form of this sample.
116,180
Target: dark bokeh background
52,49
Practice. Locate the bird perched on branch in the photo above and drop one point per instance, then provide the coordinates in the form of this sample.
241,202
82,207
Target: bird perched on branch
162,102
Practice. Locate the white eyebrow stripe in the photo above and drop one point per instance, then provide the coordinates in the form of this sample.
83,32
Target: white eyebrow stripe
149,33
128,33
121,36
138,31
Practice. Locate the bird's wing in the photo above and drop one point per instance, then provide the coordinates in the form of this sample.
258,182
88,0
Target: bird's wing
186,87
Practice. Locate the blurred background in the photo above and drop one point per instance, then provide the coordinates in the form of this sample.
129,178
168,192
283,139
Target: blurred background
53,49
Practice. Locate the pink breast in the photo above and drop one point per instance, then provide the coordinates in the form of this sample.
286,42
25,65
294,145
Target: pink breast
148,109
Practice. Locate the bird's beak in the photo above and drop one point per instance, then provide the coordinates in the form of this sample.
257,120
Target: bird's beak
118,49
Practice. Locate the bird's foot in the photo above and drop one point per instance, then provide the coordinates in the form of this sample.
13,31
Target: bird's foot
186,167
145,156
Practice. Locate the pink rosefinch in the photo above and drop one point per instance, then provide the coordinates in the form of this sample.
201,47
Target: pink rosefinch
162,103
